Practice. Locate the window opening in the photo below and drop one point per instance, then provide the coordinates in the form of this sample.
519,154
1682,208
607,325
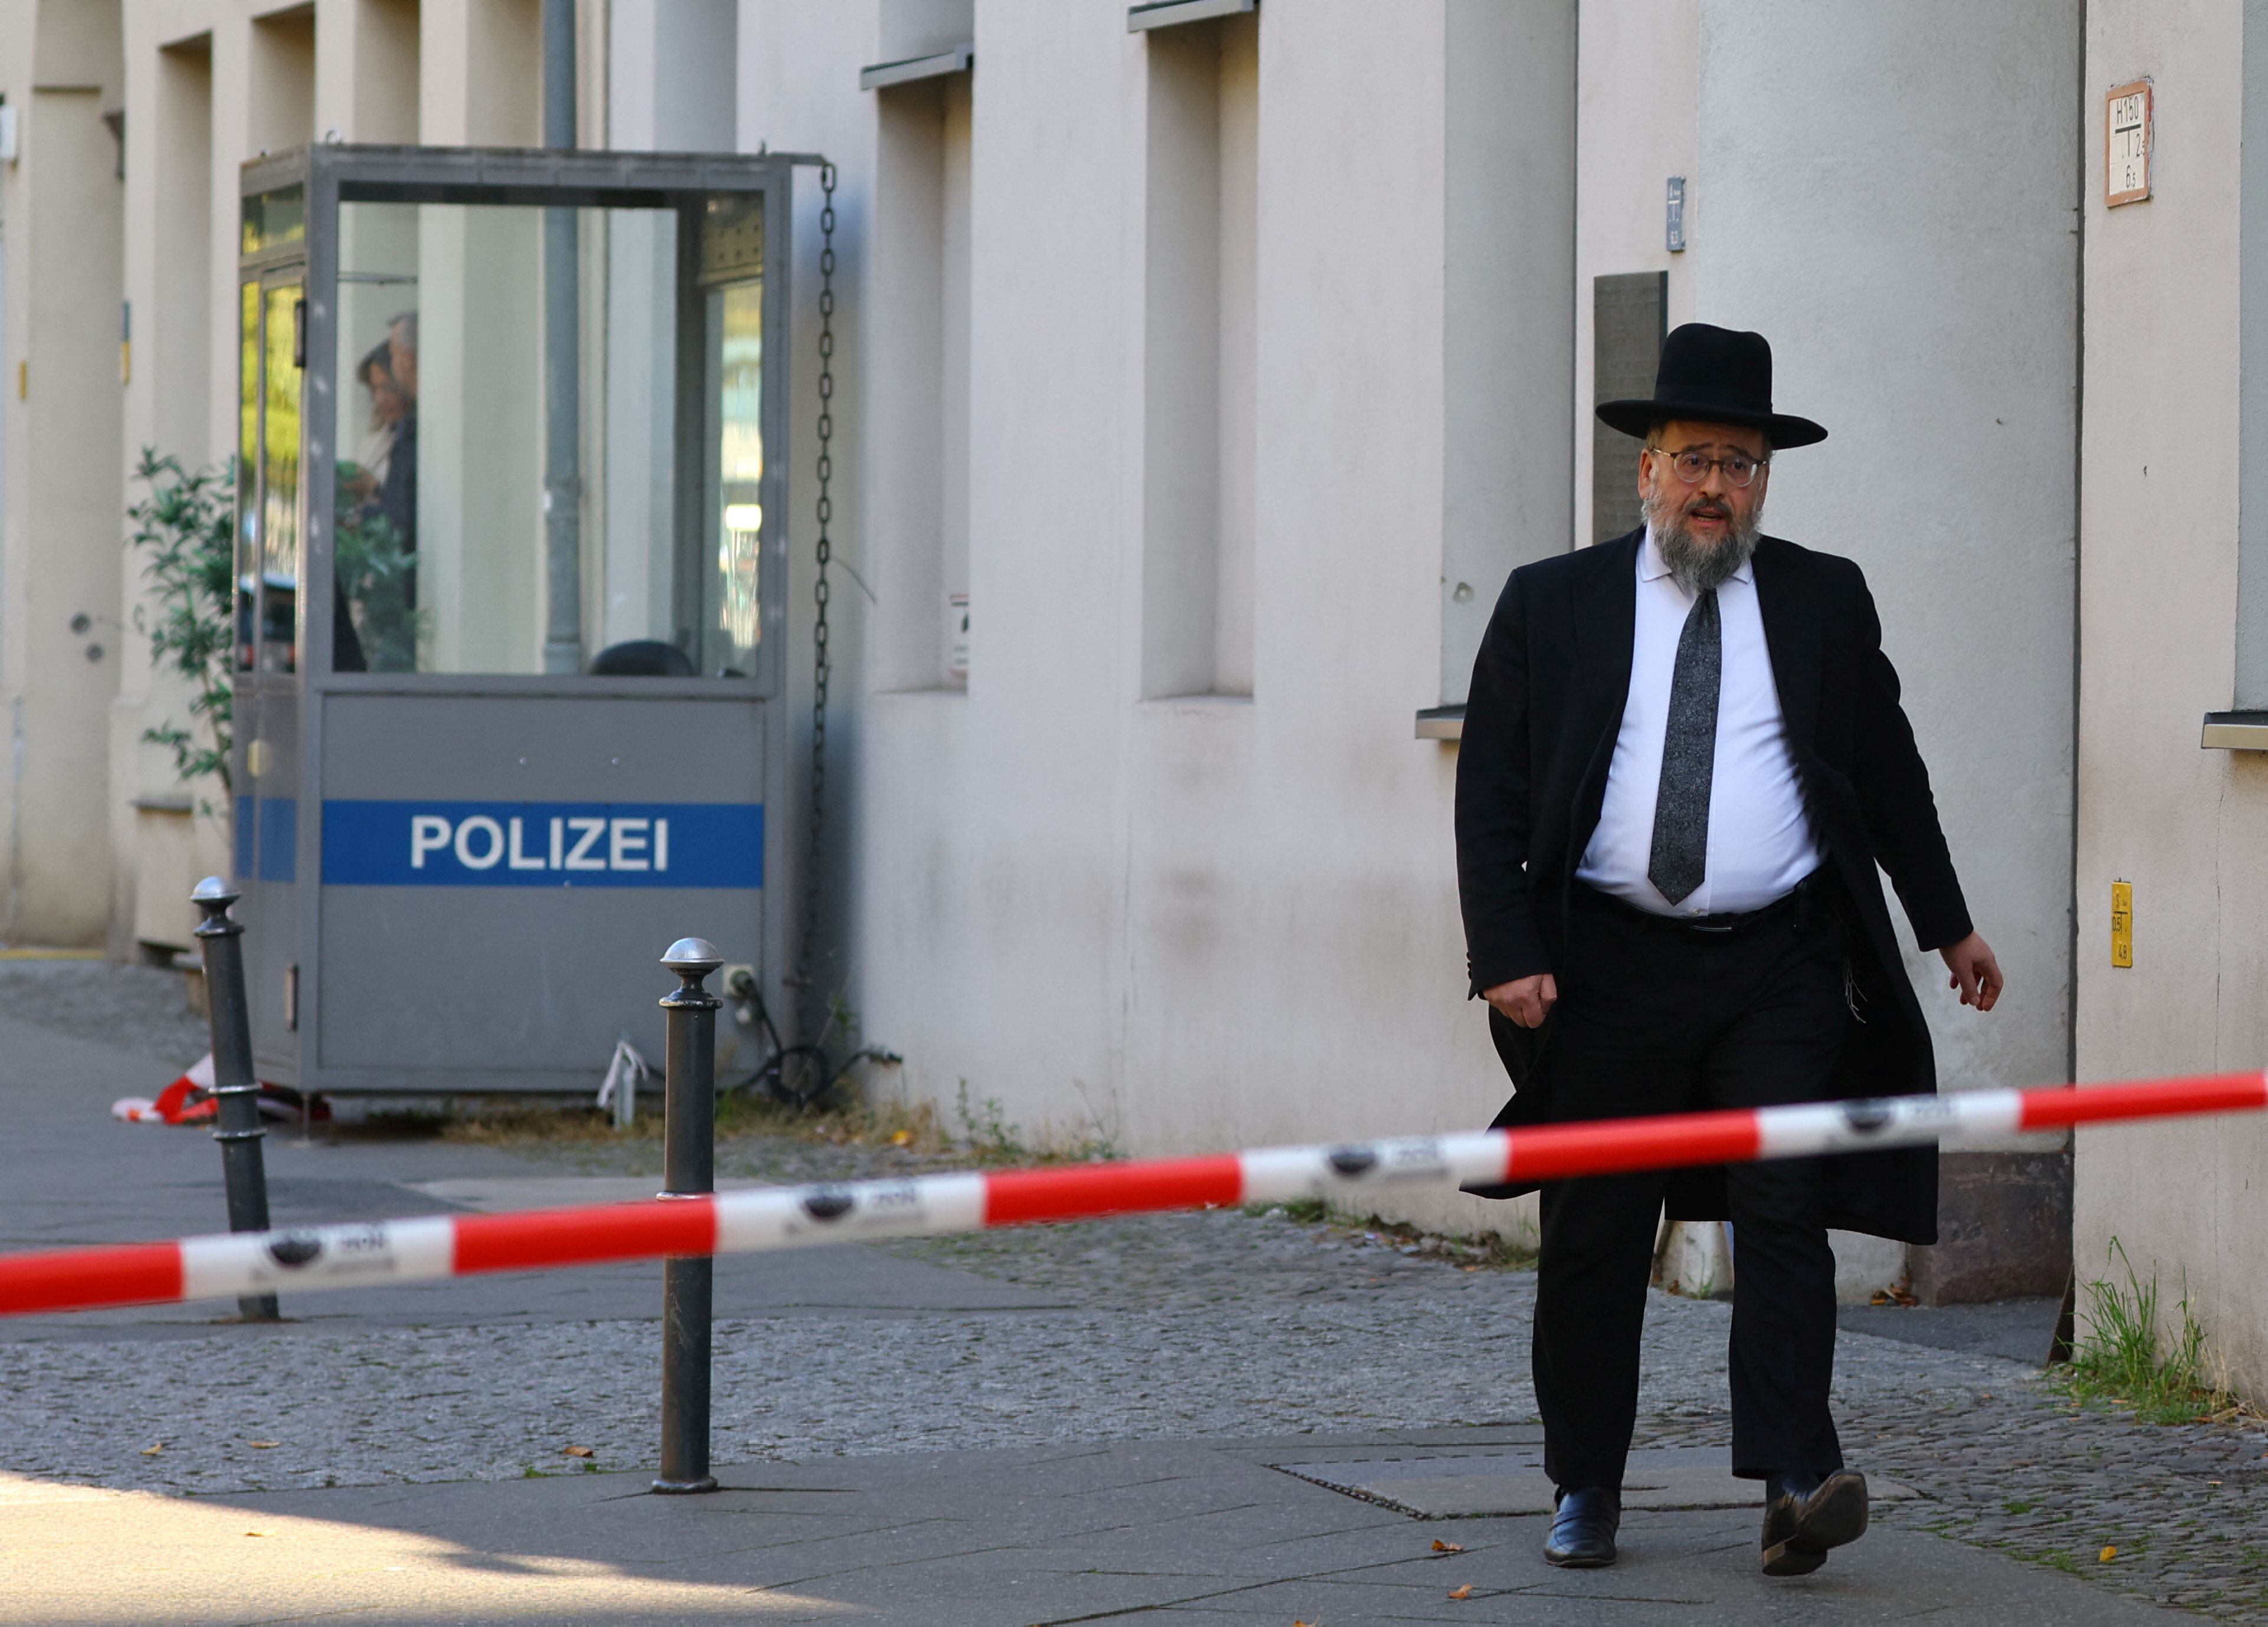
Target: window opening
441,552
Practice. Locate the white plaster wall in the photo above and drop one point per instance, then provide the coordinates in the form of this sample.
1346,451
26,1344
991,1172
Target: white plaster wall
1930,325
2185,826
1638,90
1191,923
797,90
59,555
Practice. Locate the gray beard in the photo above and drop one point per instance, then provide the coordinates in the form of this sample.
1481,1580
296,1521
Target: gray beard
1696,566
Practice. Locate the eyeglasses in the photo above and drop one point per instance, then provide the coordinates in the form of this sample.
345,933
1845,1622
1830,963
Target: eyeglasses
1693,467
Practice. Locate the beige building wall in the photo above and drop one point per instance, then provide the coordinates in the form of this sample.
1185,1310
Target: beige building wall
60,643
1928,318
2187,827
1638,119
1083,901
207,84
1113,890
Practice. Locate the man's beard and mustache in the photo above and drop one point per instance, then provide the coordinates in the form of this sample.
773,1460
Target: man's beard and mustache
1695,565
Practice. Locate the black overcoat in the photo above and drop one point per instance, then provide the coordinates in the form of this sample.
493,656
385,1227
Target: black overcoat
1540,725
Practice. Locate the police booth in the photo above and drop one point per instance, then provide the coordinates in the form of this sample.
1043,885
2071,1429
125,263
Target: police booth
487,765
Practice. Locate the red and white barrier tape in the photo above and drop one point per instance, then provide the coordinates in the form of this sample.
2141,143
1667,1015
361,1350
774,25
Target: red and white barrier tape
297,1260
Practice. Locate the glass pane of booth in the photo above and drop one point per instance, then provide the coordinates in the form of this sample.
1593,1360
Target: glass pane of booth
279,467
248,474
442,548
736,319
267,473
274,220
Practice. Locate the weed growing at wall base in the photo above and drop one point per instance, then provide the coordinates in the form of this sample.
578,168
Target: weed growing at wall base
2122,1358
986,1132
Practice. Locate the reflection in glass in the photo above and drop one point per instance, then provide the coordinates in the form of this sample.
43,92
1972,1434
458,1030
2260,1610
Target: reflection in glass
279,477
737,319
247,473
440,552
272,219
377,624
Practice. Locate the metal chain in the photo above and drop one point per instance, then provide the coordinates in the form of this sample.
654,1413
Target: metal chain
815,855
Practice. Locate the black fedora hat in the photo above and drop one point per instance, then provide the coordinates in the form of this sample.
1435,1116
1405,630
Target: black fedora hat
1712,375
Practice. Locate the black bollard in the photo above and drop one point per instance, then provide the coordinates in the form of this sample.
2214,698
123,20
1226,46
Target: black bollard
688,1170
236,1089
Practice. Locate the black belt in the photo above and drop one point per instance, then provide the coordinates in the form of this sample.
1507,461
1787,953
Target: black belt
1803,900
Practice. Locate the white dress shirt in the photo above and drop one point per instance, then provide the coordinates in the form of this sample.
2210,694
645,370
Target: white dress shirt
1761,843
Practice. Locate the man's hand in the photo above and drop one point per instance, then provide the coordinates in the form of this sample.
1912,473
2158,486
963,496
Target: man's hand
1528,1001
1976,973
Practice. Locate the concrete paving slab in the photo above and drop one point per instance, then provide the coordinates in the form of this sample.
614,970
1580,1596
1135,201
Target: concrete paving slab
2020,1329
1465,1485
1186,1529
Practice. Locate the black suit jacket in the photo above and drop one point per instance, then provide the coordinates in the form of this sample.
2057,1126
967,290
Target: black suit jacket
1540,725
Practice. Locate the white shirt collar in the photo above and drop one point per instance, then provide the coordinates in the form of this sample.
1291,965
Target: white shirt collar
1651,567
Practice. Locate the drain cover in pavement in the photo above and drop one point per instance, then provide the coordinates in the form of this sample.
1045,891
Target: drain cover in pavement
1514,1481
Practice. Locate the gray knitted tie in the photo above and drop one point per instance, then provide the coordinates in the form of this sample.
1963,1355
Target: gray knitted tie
1689,756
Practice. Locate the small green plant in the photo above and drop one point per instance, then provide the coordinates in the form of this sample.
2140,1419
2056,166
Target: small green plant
987,1133
986,1128
842,1019
186,526
1300,1211
2121,1358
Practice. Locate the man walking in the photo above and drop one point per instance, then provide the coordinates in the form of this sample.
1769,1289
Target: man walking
1684,758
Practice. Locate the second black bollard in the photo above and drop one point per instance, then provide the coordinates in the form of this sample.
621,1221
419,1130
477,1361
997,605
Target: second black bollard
235,1087
688,1170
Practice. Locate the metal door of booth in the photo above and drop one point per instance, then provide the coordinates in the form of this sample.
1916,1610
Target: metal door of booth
497,833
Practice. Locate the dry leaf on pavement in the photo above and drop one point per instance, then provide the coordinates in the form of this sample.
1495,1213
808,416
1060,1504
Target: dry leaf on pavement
1441,1547
576,1451
2107,1555
153,1451
1466,1592
263,1443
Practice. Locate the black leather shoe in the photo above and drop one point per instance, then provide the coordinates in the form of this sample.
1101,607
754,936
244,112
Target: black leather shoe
1806,1514
1583,1527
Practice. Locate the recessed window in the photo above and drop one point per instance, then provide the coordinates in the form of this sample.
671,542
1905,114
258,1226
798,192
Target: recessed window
1200,315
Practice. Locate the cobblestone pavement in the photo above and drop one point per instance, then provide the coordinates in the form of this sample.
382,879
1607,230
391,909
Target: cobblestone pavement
1216,1324
143,1009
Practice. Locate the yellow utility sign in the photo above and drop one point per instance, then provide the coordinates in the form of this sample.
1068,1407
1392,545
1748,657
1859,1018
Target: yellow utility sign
2122,923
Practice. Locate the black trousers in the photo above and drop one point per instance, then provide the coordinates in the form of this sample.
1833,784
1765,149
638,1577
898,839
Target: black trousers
1658,1017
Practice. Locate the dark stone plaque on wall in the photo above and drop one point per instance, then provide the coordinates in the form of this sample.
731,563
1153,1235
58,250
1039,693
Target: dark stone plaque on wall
1629,319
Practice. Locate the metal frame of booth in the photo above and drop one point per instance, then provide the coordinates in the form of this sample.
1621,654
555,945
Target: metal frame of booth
482,992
